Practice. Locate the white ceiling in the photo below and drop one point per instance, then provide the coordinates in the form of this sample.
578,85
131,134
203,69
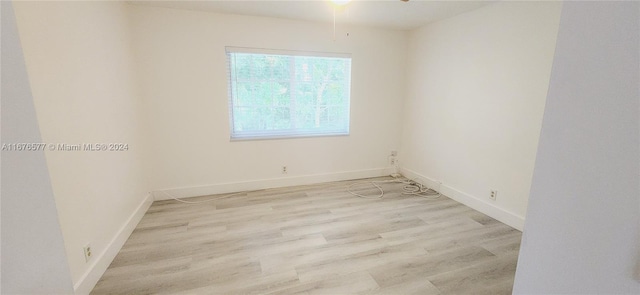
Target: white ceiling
393,14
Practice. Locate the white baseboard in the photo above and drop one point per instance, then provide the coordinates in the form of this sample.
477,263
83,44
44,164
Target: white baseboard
223,188
102,261
475,203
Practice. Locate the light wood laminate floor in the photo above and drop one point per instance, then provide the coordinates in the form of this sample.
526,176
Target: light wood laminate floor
315,239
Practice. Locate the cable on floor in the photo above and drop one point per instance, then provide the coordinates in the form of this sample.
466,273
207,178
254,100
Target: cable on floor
411,187
216,198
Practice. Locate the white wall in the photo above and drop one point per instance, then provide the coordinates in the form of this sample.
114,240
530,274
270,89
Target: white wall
477,85
583,221
33,256
182,64
79,64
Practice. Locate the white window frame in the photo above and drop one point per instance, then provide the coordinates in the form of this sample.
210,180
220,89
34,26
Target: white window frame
284,133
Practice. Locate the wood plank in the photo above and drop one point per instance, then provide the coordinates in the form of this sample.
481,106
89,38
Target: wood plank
315,239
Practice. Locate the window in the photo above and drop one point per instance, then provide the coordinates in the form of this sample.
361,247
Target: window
275,94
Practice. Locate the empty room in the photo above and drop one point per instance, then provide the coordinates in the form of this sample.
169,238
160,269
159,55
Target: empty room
320,147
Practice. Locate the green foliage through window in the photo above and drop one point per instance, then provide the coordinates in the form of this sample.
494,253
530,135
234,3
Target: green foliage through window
288,94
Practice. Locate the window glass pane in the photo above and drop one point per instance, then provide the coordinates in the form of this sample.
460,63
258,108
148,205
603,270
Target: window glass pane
243,93
280,66
284,95
242,64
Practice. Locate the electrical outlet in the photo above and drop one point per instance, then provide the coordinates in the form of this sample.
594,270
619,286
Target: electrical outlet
87,252
284,169
493,195
394,153
393,161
